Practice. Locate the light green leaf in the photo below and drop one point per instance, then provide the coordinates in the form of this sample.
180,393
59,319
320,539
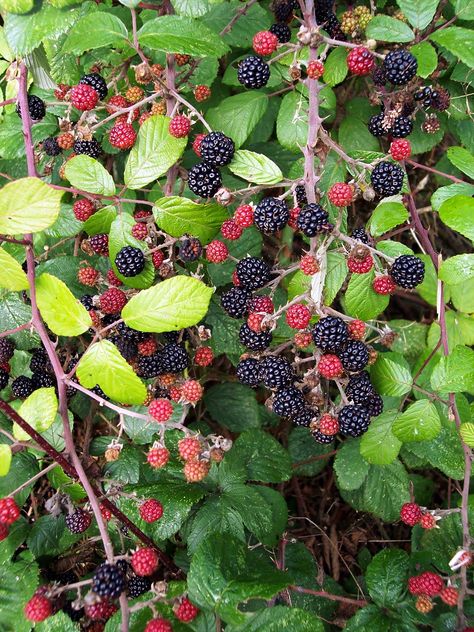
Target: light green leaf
154,152
16,6
178,216
457,213
255,167
168,306
458,41
464,9
443,452
336,273
238,115
95,30
387,29
39,410
360,299
427,58
335,66
191,8
445,193
28,205
419,422
455,372
5,458
11,273
292,121
64,314
467,433
280,619
87,174
379,445
462,159
419,12
103,364
391,374
120,236
179,34
457,269
101,221
385,216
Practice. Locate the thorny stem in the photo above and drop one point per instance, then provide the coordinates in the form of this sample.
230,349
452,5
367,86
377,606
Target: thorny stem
417,165
10,332
322,593
33,479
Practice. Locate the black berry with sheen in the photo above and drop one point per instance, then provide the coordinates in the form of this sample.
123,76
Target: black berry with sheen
313,219
7,349
190,249
376,125
387,178
130,261
321,438
400,66
253,72
271,215
304,417
150,366
217,149
137,586
354,356
108,581
408,271
361,235
353,420
90,148
22,387
3,379
36,108
248,372
51,147
288,402
253,273
360,389
78,521
234,301
276,372
254,341
282,31
402,127
204,180
330,334
94,80
174,358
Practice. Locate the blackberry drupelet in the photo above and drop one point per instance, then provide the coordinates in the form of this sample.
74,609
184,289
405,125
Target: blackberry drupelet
174,358
402,127
127,332
300,194
51,147
4,376
42,380
137,586
254,341
190,249
90,148
333,27
7,349
424,95
354,356
408,271
271,215
276,372
130,261
248,372
330,334
100,244
149,366
87,301
78,521
400,66
283,10
374,405
217,149
204,180
361,235
313,219
40,362
322,438
288,402
304,417
108,581
282,31
376,127
22,387
97,82
387,179
234,302
359,388
253,273
353,420
36,108
128,348
253,72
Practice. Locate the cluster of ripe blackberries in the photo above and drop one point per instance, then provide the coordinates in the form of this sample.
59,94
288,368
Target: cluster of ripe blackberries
22,386
216,150
272,214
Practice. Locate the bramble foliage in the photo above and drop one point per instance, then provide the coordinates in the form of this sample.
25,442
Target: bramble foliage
237,290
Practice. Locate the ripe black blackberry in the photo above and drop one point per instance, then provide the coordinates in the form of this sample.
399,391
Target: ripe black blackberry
125,331
108,581
359,388
149,366
51,147
90,148
137,586
330,334
174,358
288,402
283,10
376,126
313,219
304,417
276,372
22,387
300,195
374,405
353,420
282,31
402,127
40,361
234,301
361,235
254,341
253,72
387,178
217,149
271,215
100,244
321,438
333,27
78,521
130,261
248,372
7,349
42,380
424,95
176,336
354,356
400,66
322,9
204,180
407,271
190,249
253,273
128,348
98,391
4,376
36,108
97,82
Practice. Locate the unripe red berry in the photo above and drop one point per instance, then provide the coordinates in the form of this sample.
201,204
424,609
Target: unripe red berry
264,43
358,266
195,471
181,59
400,149
315,69
88,276
151,510
65,140
189,448
158,625
428,583
144,117
298,316
38,608
197,144
140,231
360,61
83,209
255,320
329,425
144,562
175,393
244,215
216,251
424,604
449,596
186,611
122,135
180,126
341,194
101,610
116,102
134,94
383,285
192,391
105,513
303,339
61,91
160,409
356,329
112,301
112,278
204,356
294,212
410,514
158,457
202,93
9,510
428,521
147,347
309,265
84,97
157,258
330,366
231,230
261,304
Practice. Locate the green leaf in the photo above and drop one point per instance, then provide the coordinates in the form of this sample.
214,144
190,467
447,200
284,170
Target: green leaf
256,18
224,572
427,58
14,312
467,433
11,273
336,273
95,30
28,205
255,168
462,159
386,577
443,452
238,115
440,543
103,364
64,314
18,582
5,459
385,490
279,619
215,516
457,213
391,375
360,299
255,511
419,422
335,66
87,174
191,8
445,193
455,372
379,445
17,6
234,406
265,459
39,410
126,469
178,34
23,467
292,121
464,9
60,622
385,216
302,447
350,467
120,236
154,152
457,269
101,221
178,216
458,41
62,482
419,12
387,29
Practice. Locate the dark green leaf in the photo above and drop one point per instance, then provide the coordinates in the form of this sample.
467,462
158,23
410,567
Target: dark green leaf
386,577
